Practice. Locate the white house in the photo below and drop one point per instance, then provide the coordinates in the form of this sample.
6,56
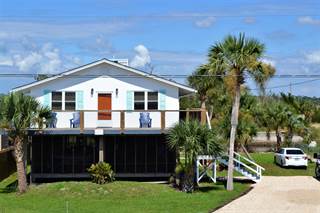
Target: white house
107,85
105,111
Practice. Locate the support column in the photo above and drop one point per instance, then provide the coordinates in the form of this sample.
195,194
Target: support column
31,176
101,149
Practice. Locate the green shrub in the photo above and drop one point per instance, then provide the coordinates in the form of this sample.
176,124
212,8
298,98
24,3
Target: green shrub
179,169
101,173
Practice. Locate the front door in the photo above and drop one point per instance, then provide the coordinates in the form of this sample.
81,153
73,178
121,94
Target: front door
104,103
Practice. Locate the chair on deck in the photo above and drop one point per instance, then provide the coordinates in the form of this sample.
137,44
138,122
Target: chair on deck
75,121
52,122
145,120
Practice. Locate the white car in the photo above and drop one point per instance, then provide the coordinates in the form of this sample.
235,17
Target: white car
291,157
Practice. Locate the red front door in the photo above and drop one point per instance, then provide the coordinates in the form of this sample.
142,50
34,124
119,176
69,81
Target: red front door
104,103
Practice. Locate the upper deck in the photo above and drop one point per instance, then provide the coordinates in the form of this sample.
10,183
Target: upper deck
102,122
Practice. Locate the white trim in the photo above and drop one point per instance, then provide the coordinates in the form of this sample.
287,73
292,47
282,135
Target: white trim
72,71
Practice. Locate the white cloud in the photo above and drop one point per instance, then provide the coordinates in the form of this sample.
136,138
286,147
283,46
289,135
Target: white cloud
205,23
5,61
308,20
269,61
47,59
313,57
142,56
24,63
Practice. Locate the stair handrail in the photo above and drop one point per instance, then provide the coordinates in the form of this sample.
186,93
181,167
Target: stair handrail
248,160
208,120
248,167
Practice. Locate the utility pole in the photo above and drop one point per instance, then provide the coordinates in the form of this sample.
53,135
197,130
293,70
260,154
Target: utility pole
290,88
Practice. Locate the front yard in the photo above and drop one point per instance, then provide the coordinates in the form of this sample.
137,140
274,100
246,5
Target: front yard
266,160
125,196
119,196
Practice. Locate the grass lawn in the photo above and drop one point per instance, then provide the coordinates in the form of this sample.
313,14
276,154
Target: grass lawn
266,161
120,196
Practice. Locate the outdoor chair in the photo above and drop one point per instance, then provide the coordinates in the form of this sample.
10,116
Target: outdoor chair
145,120
75,120
52,122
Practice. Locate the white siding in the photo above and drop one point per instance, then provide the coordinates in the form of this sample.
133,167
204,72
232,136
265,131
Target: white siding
107,84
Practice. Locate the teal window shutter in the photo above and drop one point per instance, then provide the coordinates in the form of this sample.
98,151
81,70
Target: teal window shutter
129,100
47,98
79,100
162,99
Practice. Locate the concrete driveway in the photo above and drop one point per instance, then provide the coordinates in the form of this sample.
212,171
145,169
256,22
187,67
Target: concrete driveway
279,194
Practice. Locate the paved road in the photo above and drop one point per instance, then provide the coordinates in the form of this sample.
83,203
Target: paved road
279,194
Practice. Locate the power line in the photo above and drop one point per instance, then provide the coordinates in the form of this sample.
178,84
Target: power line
27,75
288,85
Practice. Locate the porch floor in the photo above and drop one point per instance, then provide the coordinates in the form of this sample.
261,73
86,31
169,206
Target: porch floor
91,131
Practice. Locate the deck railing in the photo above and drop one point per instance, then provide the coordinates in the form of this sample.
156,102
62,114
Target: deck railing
125,119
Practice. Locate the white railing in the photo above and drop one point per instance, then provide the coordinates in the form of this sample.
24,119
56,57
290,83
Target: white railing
208,120
242,165
243,161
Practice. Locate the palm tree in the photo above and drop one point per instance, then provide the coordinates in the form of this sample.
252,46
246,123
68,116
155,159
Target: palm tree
276,115
201,83
235,58
18,113
194,139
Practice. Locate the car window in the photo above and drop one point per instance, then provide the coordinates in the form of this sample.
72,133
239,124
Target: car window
294,152
281,151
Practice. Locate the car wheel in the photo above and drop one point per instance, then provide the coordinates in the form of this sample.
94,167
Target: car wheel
274,160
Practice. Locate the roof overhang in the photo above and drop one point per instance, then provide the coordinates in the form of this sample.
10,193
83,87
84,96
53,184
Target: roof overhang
183,89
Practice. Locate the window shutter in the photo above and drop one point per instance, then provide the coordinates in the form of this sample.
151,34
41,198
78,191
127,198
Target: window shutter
79,100
47,98
129,100
162,99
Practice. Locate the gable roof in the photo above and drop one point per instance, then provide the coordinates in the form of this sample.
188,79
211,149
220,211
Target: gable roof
183,88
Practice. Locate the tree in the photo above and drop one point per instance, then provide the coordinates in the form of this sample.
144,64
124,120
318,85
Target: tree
235,57
18,113
299,115
40,77
247,126
202,83
276,115
194,139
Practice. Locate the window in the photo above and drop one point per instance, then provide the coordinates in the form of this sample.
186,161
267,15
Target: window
56,103
139,100
70,101
152,100
294,152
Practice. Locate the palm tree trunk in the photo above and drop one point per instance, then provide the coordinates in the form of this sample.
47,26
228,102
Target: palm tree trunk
234,124
203,105
21,172
290,136
278,139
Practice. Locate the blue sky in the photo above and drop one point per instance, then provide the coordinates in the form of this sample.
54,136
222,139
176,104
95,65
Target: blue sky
172,36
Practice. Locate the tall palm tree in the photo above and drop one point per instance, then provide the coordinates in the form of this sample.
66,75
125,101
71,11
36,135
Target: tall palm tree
18,113
237,57
194,139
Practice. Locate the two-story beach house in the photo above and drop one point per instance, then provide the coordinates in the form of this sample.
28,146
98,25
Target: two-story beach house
106,111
